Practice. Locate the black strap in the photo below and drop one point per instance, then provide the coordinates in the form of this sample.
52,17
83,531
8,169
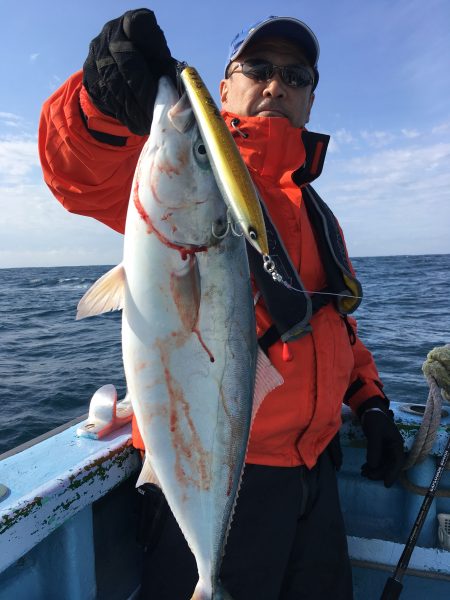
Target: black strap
352,389
320,299
272,335
290,310
268,339
101,136
350,330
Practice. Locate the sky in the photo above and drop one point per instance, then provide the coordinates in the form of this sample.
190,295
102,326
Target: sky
383,96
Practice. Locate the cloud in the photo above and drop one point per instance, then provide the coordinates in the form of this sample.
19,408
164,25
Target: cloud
394,200
18,159
392,197
410,133
377,139
34,57
343,136
54,82
8,115
12,120
333,146
410,169
36,230
442,128
367,139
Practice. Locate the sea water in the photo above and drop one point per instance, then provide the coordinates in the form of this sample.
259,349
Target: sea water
50,364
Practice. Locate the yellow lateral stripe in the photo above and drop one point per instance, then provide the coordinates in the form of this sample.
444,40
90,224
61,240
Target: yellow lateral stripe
229,169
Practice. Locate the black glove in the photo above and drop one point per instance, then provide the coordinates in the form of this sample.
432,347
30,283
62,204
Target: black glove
123,66
385,454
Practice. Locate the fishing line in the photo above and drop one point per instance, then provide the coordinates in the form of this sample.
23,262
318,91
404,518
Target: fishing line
269,264
293,289
269,267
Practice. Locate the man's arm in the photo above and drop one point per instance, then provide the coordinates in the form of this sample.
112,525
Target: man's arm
87,176
365,380
93,127
385,454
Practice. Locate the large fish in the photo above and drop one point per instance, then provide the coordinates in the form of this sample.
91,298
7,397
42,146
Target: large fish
192,367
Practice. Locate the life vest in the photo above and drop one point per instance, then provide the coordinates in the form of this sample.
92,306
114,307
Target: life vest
291,306
311,350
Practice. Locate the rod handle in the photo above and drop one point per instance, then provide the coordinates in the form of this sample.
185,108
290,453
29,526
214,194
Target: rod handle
392,589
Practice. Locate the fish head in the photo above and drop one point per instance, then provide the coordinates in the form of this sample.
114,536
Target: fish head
175,191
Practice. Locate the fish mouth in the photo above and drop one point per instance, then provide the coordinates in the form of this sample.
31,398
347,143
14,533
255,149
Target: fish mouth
219,230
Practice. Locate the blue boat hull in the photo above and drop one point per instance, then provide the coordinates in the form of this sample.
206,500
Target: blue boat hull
68,524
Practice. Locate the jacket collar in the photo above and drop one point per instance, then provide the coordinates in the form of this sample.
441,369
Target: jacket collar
272,146
315,145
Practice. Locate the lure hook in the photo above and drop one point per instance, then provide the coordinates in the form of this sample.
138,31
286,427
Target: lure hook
235,232
219,236
231,226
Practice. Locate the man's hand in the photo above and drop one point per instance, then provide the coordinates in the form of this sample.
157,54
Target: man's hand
385,454
123,66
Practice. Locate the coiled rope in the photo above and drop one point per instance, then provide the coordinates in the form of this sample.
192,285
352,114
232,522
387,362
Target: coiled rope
436,369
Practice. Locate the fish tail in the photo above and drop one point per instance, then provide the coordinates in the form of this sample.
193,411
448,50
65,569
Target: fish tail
202,593
221,594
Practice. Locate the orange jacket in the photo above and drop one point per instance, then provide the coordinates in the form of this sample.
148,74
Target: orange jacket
297,420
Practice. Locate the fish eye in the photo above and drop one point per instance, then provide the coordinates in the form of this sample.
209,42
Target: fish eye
200,154
252,233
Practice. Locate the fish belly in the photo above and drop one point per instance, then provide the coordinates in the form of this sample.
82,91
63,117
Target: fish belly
190,365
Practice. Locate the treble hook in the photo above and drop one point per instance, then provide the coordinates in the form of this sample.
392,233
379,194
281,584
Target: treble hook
219,236
230,227
234,231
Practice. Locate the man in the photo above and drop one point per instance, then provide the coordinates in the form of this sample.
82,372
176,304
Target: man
287,539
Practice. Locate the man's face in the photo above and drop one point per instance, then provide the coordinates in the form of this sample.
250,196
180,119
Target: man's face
273,98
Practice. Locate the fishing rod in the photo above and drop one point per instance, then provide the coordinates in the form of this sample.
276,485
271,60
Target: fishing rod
394,586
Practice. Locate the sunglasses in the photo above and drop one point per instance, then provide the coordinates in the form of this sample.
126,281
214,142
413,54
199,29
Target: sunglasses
296,76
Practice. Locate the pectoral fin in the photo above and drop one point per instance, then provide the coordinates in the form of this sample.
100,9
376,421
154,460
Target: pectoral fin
105,295
185,285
